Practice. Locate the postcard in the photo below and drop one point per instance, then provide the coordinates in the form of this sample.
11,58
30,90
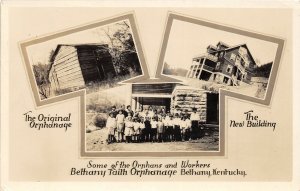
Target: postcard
141,94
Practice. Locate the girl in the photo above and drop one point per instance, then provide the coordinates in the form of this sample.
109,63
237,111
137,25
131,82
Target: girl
120,126
111,124
137,130
128,129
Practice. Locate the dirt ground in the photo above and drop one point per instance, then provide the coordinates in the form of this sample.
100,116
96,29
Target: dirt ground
96,141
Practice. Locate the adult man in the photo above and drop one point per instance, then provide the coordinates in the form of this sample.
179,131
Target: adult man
114,111
195,130
129,110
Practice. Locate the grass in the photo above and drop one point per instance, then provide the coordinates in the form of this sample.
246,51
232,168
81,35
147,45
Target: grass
93,86
108,83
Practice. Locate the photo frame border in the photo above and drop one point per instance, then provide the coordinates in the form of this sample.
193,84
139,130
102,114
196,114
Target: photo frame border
159,77
23,45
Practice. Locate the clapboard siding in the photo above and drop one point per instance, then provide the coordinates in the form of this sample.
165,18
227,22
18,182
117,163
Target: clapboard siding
66,58
74,66
67,69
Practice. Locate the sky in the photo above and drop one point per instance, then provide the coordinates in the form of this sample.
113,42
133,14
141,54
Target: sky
41,52
188,40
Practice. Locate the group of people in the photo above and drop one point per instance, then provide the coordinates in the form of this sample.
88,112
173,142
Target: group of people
150,125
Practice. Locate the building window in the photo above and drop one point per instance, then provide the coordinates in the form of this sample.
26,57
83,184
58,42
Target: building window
229,69
225,80
243,51
238,60
218,65
232,56
221,54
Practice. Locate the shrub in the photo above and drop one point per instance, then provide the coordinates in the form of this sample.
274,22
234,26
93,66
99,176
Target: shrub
99,120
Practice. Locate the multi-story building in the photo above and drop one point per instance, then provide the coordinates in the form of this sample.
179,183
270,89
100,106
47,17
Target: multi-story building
230,65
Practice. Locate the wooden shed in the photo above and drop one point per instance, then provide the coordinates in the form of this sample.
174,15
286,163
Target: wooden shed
74,66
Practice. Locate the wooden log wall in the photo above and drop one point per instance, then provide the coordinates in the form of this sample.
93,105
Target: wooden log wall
187,99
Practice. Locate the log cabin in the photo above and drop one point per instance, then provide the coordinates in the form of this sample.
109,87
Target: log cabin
74,66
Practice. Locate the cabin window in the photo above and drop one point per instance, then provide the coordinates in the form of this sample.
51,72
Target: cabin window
229,69
232,56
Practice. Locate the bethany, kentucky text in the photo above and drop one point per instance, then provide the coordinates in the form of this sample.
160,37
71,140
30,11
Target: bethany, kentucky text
42,121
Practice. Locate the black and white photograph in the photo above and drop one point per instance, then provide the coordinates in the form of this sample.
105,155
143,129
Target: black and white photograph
94,59
211,59
152,117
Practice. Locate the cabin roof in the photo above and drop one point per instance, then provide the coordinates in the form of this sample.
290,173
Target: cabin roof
95,45
74,45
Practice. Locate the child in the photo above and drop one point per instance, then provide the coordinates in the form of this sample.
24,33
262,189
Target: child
137,130
160,130
147,130
120,126
128,129
142,130
188,128
170,126
111,125
154,125
177,133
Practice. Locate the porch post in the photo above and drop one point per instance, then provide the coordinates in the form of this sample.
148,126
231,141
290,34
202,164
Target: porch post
201,68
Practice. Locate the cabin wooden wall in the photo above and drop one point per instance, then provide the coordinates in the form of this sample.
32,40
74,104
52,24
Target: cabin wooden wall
65,71
95,62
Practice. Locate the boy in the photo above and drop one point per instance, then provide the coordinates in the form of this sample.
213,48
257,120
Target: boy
147,130
169,127
177,133
120,126
111,125
154,126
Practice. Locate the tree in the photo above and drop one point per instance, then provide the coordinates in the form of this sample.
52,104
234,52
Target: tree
41,77
122,48
263,70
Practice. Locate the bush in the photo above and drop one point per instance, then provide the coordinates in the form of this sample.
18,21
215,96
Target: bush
88,131
100,120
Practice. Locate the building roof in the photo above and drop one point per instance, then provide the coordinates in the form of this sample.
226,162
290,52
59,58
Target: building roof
237,46
224,44
75,45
